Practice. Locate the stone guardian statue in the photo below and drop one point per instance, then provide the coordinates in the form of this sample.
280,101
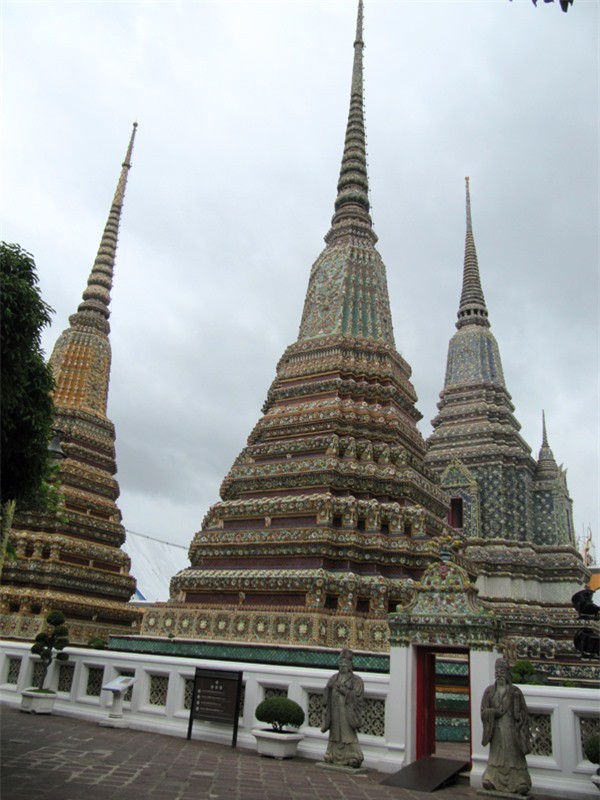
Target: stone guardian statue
343,702
506,729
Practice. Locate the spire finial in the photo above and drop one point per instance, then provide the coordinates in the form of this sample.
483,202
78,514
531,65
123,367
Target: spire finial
359,23
93,310
469,221
544,434
546,466
472,309
352,202
125,167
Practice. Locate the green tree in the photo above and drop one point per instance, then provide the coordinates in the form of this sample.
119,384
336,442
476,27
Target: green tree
26,384
49,644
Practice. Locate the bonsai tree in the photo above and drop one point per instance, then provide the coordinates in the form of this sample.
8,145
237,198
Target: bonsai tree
49,644
279,712
591,749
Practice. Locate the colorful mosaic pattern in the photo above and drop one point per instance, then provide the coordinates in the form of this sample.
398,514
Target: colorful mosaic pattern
515,511
444,610
279,624
476,447
347,295
72,560
329,510
254,653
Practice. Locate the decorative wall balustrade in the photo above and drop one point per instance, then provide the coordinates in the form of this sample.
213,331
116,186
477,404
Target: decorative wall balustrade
562,718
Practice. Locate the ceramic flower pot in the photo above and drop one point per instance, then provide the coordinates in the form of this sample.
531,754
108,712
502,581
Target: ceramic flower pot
276,745
33,701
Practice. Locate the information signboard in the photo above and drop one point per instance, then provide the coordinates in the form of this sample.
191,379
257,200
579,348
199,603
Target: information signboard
216,698
119,684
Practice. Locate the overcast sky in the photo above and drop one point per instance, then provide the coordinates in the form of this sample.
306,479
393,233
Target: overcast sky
242,108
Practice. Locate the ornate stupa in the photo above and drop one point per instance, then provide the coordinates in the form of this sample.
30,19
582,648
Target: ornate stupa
516,512
497,488
329,510
71,558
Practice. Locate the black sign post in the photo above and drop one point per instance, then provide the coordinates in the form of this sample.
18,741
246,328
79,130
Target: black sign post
216,698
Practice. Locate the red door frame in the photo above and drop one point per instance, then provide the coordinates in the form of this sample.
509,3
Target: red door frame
425,722
425,731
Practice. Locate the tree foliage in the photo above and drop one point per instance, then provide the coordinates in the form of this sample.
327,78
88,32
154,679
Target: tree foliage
591,748
49,644
25,378
524,672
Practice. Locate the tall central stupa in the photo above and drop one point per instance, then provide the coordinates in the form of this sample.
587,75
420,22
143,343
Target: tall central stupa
328,511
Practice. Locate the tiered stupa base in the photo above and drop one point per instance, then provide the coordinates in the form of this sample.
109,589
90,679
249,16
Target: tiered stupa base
266,626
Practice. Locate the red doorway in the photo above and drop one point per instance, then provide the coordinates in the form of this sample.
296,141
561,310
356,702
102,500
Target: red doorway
426,697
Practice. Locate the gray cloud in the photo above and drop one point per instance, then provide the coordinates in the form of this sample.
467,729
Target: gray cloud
242,109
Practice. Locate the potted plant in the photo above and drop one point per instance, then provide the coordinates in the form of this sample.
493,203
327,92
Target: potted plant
48,645
276,741
591,750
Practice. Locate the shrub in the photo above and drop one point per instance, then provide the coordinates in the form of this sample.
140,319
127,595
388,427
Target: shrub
524,672
48,644
97,642
279,712
591,748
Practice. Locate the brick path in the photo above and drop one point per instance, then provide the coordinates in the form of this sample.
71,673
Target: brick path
61,758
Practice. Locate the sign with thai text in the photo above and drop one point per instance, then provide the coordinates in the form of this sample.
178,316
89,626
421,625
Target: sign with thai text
216,698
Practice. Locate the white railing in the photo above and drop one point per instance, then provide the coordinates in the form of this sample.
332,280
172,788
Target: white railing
573,712
562,717
158,697
158,704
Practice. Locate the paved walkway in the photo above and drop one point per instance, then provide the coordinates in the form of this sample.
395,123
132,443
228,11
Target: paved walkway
61,758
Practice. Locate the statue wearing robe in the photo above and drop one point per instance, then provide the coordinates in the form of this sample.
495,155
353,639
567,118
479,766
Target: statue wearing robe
506,729
343,701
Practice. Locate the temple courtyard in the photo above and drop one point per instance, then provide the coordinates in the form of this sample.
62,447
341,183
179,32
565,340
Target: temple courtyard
61,758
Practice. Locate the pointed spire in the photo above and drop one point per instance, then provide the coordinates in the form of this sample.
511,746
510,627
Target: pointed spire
81,356
347,291
352,202
472,309
544,433
93,311
547,468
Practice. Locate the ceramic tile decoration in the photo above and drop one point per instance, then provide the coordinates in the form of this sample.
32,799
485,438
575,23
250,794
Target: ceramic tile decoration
72,559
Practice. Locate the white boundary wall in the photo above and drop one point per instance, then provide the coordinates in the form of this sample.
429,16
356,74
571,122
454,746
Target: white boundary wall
566,773
173,718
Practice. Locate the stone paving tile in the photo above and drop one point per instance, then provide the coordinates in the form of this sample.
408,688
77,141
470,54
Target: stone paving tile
62,758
